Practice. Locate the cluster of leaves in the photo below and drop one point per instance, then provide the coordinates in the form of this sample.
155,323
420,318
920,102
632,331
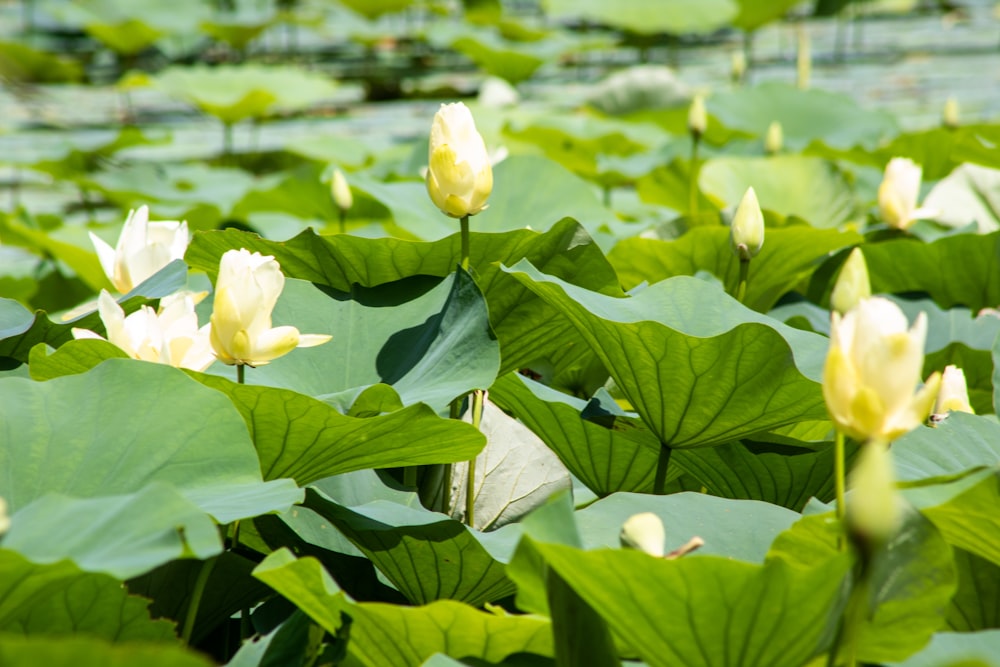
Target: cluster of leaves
162,516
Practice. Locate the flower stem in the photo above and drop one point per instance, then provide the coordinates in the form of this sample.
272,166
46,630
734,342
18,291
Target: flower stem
660,480
741,286
693,183
454,412
410,476
470,483
240,372
343,220
838,477
465,242
196,595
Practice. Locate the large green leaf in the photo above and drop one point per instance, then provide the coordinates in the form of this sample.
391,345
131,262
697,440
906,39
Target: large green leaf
972,278
704,610
123,536
698,376
789,256
60,599
605,452
93,652
959,444
648,16
396,636
528,329
305,439
958,649
426,555
976,604
754,14
805,116
790,185
20,330
143,423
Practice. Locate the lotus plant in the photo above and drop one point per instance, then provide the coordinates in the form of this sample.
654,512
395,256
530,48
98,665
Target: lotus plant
954,394
246,292
143,248
459,173
170,336
746,237
898,194
853,284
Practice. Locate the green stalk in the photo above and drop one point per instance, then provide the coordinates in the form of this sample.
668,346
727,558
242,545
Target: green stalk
196,595
741,286
240,372
693,183
410,476
465,242
839,472
470,483
343,220
660,480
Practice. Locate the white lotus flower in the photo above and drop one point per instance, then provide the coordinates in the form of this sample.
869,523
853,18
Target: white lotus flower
459,173
898,194
170,336
143,248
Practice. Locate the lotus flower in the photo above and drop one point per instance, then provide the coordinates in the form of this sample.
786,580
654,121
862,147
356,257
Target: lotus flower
746,234
246,292
143,248
872,371
169,337
459,174
899,192
954,394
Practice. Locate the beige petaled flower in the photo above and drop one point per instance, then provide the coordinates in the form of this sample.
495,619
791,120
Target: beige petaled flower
459,173
170,336
898,194
4,518
341,191
143,248
954,394
774,141
697,116
873,369
644,532
853,284
246,292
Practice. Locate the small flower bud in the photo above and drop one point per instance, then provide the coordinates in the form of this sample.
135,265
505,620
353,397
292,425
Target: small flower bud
341,191
746,234
697,116
644,532
949,117
852,284
738,66
775,139
954,393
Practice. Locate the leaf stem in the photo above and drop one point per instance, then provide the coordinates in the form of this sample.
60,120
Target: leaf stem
343,219
196,595
240,373
465,242
693,183
741,286
662,463
410,476
470,483
839,472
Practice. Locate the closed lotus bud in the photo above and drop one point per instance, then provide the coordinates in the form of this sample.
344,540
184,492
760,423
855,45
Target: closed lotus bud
4,518
459,174
775,139
738,66
697,116
853,284
873,370
746,234
143,248
954,394
898,194
803,62
341,191
246,292
950,115
873,509
644,532
170,336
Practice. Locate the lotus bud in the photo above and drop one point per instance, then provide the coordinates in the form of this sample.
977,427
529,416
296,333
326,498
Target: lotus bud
898,194
459,174
775,139
246,292
873,509
954,394
746,234
341,191
950,115
803,62
738,66
872,371
644,532
4,518
143,248
697,116
852,284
